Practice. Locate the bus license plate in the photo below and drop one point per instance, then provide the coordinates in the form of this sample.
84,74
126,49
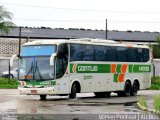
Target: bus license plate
34,91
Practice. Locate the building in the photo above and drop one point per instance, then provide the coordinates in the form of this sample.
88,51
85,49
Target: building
9,43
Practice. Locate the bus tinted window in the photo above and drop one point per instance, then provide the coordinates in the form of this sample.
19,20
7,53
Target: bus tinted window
100,53
76,52
132,54
88,53
140,55
81,52
111,53
145,55
122,54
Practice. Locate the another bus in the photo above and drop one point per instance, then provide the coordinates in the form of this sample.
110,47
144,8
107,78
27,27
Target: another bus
68,67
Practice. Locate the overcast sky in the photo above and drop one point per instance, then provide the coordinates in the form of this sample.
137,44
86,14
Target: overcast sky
140,15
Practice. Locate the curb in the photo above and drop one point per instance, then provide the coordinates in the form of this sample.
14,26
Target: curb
147,109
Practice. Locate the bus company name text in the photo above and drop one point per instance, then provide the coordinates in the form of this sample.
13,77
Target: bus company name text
87,68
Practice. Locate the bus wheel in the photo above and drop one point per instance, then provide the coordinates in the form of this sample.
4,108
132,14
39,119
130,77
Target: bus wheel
127,90
43,97
73,92
135,88
102,94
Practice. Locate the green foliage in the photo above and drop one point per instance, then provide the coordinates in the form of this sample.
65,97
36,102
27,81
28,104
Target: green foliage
155,80
156,103
5,83
142,101
155,87
155,83
5,20
156,48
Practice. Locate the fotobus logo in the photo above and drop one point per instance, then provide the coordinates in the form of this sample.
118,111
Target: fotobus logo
130,116
6,116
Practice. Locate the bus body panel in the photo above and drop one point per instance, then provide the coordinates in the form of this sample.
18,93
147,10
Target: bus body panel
94,76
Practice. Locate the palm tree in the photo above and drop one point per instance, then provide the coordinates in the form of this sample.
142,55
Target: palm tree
5,20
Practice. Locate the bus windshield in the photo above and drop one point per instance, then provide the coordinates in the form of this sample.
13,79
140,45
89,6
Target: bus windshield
34,63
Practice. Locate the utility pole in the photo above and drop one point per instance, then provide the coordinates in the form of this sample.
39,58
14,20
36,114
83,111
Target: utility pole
20,29
9,69
106,30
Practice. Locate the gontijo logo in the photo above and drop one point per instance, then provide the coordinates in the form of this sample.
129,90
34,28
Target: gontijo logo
89,68
84,68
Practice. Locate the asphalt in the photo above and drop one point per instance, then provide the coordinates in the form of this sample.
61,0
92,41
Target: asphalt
86,106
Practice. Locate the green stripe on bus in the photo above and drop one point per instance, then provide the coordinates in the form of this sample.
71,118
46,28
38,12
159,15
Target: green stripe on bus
90,68
71,68
130,68
118,69
106,68
38,82
139,68
116,77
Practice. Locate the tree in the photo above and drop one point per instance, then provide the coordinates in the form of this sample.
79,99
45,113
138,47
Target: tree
156,48
5,20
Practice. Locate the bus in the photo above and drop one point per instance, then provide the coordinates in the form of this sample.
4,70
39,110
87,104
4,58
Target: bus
68,67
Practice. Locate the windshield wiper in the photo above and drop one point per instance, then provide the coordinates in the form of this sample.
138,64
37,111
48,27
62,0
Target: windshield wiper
32,66
37,68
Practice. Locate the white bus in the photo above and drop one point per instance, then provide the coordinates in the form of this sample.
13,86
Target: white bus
67,67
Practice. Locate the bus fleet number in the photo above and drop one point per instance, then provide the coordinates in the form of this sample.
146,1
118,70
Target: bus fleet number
144,68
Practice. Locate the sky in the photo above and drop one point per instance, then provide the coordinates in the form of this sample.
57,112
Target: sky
122,15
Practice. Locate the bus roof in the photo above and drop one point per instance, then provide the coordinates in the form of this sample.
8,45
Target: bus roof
84,41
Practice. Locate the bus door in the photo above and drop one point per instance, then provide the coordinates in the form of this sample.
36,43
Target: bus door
62,77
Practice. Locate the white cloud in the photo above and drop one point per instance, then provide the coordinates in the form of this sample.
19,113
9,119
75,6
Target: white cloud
121,14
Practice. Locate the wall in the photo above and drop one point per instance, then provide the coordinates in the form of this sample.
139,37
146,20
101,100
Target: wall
4,64
9,47
156,63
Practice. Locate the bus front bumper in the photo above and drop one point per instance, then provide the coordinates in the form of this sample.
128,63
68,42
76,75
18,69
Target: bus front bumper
36,91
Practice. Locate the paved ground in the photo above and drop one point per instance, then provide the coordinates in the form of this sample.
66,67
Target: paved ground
86,106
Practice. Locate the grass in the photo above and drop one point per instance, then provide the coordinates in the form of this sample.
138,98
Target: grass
155,83
155,80
155,87
142,101
6,84
156,103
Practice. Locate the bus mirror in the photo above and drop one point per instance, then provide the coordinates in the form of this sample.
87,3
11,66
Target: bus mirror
12,59
52,59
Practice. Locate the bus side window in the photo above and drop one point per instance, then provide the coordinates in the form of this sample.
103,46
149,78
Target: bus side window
59,68
76,53
100,53
145,55
111,53
62,60
122,54
132,55
140,55
63,50
88,53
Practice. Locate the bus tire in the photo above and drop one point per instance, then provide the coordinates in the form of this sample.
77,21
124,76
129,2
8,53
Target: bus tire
127,90
102,94
43,97
73,92
120,93
135,88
